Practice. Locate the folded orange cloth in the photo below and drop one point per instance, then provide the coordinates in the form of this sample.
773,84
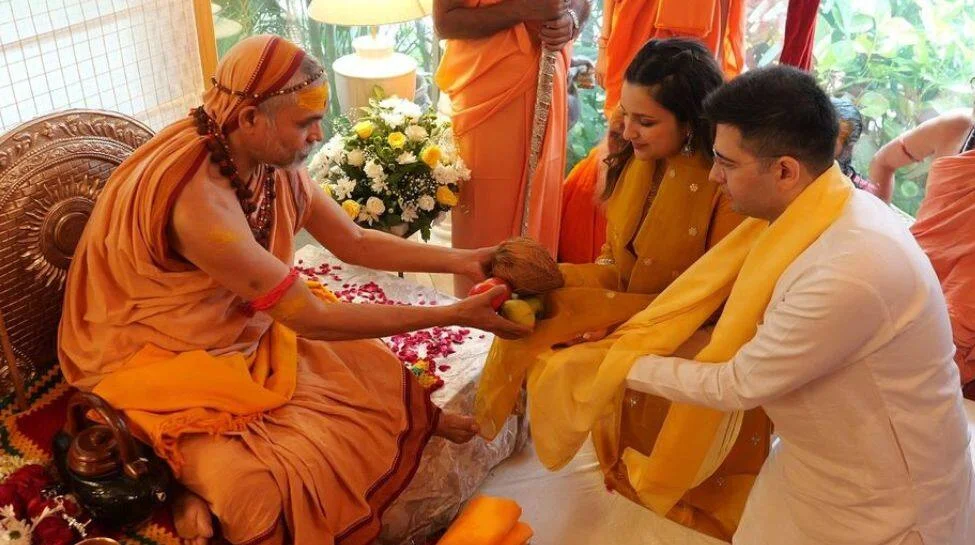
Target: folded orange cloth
488,520
521,534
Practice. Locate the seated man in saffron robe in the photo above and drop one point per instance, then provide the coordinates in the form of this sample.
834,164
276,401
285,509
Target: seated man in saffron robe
273,403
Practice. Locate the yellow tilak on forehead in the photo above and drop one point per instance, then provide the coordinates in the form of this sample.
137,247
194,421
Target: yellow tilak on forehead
314,97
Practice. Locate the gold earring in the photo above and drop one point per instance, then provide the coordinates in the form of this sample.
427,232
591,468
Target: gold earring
688,148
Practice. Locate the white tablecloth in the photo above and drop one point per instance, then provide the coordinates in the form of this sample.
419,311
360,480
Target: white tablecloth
449,474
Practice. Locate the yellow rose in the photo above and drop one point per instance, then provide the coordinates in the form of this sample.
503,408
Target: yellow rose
351,208
327,189
446,197
364,129
431,155
397,140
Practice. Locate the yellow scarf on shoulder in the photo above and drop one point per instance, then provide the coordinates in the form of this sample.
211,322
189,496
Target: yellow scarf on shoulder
580,389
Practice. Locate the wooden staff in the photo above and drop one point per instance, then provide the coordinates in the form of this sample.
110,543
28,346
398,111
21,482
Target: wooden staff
8,354
543,104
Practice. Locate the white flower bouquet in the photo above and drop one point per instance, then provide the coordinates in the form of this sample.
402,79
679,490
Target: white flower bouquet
395,169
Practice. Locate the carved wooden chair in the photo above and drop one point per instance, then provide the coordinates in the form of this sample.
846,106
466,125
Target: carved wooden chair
51,171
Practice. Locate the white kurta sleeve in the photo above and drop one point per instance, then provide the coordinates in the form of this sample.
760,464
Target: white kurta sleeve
822,320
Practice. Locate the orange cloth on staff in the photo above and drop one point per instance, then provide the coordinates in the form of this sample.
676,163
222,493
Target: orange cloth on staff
945,229
636,21
264,426
487,520
491,83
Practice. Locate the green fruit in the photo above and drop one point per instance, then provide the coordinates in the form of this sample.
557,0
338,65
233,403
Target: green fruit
519,312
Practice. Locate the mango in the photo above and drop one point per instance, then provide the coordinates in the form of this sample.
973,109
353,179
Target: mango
537,305
519,311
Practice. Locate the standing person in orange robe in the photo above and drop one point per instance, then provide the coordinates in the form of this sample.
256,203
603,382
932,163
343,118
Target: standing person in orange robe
274,404
626,26
490,71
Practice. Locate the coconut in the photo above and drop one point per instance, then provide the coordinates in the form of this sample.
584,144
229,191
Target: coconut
527,266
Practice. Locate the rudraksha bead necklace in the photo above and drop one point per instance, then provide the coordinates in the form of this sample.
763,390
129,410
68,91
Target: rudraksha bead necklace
260,223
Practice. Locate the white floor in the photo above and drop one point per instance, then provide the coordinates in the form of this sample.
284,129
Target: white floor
572,507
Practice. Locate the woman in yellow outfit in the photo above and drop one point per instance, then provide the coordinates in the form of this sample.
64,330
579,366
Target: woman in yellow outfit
663,214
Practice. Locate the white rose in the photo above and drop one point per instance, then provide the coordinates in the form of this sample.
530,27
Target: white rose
334,149
316,168
374,170
375,206
449,152
409,214
406,158
390,102
445,174
463,173
343,188
426,203
409,109
356,157
394,120
378,186
416,133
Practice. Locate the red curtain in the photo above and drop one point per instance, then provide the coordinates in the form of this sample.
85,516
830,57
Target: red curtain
800,29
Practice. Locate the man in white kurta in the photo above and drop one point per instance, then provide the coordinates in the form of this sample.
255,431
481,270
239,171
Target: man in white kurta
852,362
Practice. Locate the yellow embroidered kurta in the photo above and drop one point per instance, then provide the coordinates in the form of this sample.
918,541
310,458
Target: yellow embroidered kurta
649,244
687,215
694,465
644,252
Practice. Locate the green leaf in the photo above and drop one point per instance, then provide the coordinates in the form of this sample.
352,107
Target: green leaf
844,51
873,104
895,34
861,23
